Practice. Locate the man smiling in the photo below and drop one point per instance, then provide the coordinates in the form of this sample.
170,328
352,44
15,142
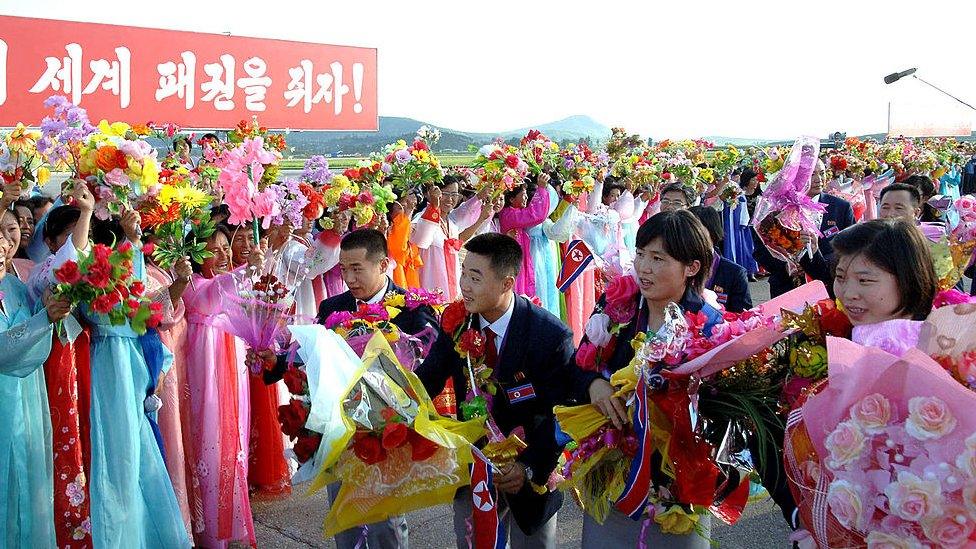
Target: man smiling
530,352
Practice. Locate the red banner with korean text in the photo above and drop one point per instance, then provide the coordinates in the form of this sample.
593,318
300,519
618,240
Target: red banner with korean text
196,80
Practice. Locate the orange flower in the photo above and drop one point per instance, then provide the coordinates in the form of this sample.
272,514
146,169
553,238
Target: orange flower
108,158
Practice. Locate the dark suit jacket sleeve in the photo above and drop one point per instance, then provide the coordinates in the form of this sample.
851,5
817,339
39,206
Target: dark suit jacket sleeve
846,216
542,452
738,291
818,268
441,364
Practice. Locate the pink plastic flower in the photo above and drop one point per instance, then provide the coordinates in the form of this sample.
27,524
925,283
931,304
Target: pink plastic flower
881,540
266,207
846,443
597,329
872,413
117,178
845,504
929,418
914,499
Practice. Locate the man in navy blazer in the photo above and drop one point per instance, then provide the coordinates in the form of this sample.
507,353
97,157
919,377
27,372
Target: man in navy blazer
363,258
839,216
532,372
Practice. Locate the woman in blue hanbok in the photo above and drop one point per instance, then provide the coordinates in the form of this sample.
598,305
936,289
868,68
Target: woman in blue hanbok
132,499
545,256
26,477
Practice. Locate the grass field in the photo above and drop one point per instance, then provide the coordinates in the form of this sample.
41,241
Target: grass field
447,160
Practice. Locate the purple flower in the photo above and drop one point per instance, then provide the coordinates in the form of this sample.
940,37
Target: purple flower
337,319
568,164
402,156
316,171
386,168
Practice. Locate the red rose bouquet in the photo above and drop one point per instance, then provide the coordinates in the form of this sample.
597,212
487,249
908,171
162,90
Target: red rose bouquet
103,281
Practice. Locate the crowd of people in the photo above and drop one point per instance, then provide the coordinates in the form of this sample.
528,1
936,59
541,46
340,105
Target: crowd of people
163,437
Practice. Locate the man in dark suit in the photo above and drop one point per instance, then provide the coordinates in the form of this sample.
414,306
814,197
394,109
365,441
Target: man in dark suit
838,216
364,260
530,352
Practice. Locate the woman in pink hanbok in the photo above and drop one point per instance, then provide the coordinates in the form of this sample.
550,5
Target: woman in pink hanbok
174,416
437,232
516,218
219,404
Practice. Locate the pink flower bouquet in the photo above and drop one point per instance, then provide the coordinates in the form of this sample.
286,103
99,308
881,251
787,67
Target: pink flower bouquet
885,453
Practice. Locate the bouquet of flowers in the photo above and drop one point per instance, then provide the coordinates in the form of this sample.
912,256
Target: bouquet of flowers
63,133
499,168
785,212
953,252
179,214
260,306
381,436
242,170
579,167
20,160
119,166
415,165
620,144
731,193
885,452
540,152
273,143
724,161
103,280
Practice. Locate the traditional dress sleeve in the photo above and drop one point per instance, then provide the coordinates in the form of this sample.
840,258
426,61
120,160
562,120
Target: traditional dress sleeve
466,214
530,216
26,345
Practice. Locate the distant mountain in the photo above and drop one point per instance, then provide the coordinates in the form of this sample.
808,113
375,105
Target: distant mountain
391,128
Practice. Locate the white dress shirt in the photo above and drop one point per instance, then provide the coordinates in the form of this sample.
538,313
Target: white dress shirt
500,326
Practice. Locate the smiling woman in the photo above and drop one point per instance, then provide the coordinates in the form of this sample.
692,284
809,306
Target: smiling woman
884,271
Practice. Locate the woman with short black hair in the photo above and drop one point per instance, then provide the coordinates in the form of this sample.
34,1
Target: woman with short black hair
673,256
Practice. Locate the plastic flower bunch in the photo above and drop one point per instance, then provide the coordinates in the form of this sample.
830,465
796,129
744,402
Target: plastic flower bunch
539,152
578,167
120,165
274,143
242,169
292,201
725,160
177,209
103,280
412,166
499,168
63,133
20,160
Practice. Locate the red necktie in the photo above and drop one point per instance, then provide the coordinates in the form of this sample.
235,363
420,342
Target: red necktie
491,352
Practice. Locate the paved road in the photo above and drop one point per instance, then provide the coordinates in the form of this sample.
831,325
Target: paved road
297,522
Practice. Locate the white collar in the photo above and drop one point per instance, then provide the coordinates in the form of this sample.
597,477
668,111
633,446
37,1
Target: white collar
816,198
500,326
378,296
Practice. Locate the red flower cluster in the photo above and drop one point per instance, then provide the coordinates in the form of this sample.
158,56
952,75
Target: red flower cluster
472,343
316,202
453,317
372,448
355,174
838,163
833,321
293,417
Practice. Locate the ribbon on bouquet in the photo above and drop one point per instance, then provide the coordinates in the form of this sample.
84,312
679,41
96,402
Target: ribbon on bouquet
633,501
